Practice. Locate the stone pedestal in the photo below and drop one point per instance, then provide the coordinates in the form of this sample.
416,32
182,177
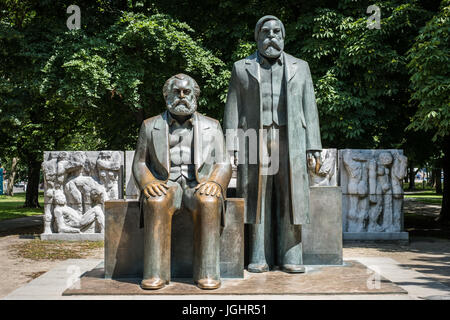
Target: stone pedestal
76,185
124,241
72,236
377,236
322,238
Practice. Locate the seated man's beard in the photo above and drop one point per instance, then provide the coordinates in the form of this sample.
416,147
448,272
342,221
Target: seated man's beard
182,107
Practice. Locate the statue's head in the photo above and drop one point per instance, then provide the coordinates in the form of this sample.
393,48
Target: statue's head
59,198
385,158
269,35
181,93
98,194
78,157
63,155
53,155
105,155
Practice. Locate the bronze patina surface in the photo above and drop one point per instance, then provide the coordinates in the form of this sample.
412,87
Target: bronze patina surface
180,164
272,91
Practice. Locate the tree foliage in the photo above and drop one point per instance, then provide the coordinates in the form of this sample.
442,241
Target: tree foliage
91,88
430,75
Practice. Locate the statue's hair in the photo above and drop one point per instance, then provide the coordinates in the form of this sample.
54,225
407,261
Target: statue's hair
264,19
181,76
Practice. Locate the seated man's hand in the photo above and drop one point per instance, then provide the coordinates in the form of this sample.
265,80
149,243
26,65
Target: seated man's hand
155,188
208,188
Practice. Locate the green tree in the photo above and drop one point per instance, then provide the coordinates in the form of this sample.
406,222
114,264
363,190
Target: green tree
430,79
91,88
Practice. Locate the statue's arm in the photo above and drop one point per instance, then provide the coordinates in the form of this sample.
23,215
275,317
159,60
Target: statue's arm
141,172
372,168
313,142
231,113
400,166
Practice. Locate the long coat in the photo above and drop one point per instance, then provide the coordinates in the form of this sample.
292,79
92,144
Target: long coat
152,162
243,110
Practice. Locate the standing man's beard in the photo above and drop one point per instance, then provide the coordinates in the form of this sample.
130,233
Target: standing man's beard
182,107
271,48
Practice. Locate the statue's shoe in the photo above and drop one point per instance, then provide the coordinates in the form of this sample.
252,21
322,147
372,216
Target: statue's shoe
294,268
152,284
258,267
208,284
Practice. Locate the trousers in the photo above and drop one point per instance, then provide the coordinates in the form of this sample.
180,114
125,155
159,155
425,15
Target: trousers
275,240
181,198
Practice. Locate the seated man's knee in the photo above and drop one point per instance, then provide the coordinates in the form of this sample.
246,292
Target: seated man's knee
207,200
158,201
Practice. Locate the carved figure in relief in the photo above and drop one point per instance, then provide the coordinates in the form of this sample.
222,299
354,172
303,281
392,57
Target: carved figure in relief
326,171
49,169
357,190
70,220
108,166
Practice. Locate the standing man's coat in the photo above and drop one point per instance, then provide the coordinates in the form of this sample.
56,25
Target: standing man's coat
243,110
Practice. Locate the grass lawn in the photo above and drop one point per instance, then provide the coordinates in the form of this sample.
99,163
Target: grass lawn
11,207
418,186
428,196
55,250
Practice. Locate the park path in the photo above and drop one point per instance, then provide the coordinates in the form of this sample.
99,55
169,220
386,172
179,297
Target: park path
16,271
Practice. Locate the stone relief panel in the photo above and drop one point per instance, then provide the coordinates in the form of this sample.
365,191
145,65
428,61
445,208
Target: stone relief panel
327,175
371,182
76,184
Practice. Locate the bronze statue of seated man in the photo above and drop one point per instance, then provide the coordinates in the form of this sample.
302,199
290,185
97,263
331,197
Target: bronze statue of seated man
181,165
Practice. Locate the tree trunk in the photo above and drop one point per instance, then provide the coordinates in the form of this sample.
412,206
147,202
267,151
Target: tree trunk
438,182
433,178
444,216
412,177
32,195
11,177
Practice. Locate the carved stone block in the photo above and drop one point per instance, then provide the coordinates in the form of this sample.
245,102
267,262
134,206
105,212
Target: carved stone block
131,189
76,184
327,175
371,182
322,238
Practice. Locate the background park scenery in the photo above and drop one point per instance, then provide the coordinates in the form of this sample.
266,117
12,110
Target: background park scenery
384,87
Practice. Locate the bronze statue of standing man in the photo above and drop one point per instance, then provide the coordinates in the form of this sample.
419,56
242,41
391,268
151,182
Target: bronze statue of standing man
181,165
272,92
